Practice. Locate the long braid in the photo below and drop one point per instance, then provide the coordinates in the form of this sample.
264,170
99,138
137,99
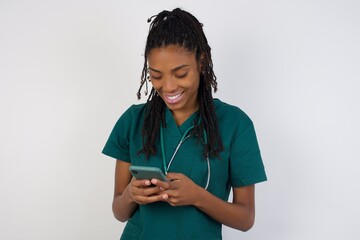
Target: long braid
181,28
154,115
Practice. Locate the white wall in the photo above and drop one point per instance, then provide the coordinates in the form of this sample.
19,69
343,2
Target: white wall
69,68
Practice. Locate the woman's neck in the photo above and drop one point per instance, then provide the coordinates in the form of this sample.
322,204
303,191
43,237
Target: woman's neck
181,116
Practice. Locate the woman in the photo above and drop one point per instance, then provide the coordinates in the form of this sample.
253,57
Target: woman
219,150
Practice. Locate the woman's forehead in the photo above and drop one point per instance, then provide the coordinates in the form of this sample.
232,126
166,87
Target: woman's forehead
170,53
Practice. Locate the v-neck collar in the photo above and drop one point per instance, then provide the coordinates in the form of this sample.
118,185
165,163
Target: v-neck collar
178,130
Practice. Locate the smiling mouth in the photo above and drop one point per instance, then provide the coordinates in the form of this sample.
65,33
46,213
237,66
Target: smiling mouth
173,98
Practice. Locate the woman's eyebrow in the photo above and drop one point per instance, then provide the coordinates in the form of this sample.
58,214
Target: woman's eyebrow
154,70
172,70
179,67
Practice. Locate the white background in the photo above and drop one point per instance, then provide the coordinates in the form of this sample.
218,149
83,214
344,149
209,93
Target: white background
69,68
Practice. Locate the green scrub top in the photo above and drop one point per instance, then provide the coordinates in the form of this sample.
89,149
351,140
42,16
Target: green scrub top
240,164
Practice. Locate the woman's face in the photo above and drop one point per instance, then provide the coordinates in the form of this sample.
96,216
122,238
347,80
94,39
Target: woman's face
175,75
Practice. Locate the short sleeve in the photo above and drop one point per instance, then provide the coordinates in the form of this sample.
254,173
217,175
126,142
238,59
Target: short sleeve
118,143
246,166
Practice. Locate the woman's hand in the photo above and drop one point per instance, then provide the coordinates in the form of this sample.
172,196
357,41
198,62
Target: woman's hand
142,192
179,191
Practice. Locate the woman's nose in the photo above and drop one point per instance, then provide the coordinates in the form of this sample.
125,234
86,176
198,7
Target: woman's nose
169,84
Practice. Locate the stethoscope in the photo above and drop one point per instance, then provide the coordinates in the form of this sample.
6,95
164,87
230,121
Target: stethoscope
182,140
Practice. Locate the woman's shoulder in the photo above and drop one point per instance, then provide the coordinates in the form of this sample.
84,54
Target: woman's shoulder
131,116
228,112
232,120
135,110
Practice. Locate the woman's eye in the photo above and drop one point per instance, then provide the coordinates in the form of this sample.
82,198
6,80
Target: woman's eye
156,77
181,76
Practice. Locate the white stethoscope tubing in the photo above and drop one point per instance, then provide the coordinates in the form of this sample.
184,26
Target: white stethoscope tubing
166,169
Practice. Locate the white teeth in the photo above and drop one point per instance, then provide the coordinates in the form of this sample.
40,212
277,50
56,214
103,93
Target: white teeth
174,97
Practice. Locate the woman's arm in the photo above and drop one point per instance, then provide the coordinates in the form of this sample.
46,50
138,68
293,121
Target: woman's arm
239,214
123,207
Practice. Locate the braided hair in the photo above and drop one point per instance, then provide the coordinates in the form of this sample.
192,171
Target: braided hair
180,28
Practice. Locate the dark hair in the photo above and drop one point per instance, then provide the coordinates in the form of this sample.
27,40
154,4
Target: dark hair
179,27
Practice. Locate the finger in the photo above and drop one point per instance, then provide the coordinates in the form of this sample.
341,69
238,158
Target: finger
163,185
173,200
171,194
141,183
147,191
174,176
151,199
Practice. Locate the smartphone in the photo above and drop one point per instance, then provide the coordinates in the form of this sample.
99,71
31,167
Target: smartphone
141,172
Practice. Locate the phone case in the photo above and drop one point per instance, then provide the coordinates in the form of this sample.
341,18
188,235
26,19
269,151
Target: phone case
142,172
